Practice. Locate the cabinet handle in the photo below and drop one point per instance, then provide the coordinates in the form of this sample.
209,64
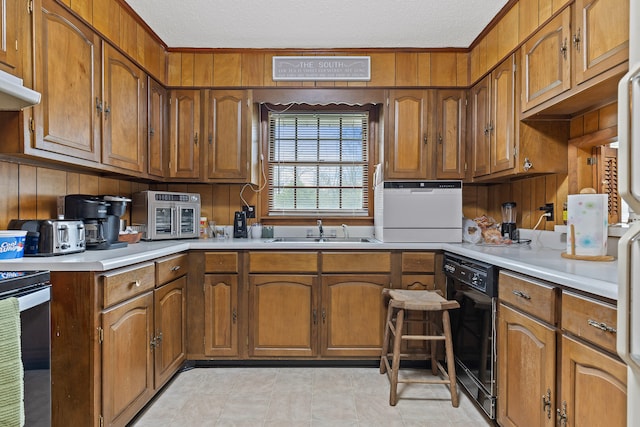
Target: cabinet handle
136,283
546,403
576,40
98,106
175,268
324,316
152,343
562,415
425,139
315,316
195,138
159,339
152,132
210,139
521,294
563,49
107,110
440,138
602,326
234,315
486,130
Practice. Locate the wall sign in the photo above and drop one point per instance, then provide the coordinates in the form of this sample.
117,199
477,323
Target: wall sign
298,68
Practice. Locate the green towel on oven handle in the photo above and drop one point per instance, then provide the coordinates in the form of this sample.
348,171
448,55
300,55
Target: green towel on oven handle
11,369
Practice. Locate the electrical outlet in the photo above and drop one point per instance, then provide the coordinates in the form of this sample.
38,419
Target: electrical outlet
250,210
548,208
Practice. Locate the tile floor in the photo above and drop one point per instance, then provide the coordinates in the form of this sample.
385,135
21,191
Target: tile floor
291,397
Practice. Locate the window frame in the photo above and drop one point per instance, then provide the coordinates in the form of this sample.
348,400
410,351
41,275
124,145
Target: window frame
374,114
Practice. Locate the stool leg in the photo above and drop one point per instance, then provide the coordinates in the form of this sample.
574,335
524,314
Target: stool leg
446,327
385,340
433,345
395,365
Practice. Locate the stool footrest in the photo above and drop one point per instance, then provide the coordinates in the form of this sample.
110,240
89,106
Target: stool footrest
423,337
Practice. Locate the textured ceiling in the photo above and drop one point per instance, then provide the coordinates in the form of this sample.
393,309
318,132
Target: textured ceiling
317,24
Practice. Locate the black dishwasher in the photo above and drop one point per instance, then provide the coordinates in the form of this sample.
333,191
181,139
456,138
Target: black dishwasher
474,284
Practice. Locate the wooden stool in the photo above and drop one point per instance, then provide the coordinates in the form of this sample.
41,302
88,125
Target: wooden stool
432,303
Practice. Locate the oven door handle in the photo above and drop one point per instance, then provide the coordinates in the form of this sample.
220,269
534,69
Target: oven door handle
32,299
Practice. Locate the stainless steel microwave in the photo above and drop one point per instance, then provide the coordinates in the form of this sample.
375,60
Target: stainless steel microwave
162,215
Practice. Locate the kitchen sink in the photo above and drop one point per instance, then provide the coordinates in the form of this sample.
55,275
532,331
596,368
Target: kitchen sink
322,240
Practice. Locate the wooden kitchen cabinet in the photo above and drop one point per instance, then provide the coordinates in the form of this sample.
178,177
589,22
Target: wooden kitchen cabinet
526,340
170,317
229,140
480,127
526,370
127,359
600,36
124,113
451,106
221,304
157,129
10,56
66,123
593,388
283,309
585,46
409,147
184,134
502,138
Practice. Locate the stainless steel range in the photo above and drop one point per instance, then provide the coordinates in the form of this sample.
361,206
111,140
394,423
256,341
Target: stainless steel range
474,285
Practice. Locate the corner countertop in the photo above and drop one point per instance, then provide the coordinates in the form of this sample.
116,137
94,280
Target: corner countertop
545,263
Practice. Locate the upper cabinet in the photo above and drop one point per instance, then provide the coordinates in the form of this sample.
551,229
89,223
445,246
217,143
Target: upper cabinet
408,146
229,137
584,47
124,113
9,58
184,134
450,136
157,129
67,74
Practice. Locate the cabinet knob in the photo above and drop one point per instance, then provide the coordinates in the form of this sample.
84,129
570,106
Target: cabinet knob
425,139
98,106
576,40
546,403
195,138
563,49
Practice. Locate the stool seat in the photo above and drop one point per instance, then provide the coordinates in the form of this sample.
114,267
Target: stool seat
419,300
430,303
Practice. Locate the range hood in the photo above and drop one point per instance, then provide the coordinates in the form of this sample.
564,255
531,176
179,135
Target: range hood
13,95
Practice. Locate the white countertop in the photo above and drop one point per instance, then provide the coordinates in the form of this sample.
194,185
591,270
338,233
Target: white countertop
598,278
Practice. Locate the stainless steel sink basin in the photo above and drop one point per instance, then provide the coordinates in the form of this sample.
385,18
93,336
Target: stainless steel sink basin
322,240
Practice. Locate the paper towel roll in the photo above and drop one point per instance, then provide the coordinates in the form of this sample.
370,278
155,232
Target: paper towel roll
587,217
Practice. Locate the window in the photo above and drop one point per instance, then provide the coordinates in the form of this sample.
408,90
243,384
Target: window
318,163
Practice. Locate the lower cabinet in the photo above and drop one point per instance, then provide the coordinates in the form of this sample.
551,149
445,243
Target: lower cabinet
127,359
556,357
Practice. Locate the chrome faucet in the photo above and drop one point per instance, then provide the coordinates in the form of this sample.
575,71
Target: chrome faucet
345,231
320,229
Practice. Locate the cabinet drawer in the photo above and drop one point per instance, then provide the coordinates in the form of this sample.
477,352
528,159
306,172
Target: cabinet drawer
170,268
221,262
529,295
353,262
589,319
418,262
283,262
120,285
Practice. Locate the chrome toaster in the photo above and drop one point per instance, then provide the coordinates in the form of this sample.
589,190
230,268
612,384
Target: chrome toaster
51,236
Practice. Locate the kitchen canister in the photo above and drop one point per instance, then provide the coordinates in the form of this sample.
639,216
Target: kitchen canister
587,225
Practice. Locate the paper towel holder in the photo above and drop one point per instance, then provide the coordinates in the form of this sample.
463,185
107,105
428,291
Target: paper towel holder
571,237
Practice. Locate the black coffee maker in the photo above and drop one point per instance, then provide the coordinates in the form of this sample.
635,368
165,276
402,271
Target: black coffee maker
101,217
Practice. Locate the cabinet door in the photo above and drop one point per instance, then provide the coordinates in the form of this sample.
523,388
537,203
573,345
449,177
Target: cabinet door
8,36
480,127
526,370
451,114
184,136
284,317
594,387
546,63
124,118
227,143
127,362
600,36
221,314
157,130
67,74
408,154
352,314
170,329
503,138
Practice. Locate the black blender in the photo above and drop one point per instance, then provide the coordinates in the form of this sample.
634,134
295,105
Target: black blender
509,229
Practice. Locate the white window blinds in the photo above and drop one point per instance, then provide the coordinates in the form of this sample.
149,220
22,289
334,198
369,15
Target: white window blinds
318,163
